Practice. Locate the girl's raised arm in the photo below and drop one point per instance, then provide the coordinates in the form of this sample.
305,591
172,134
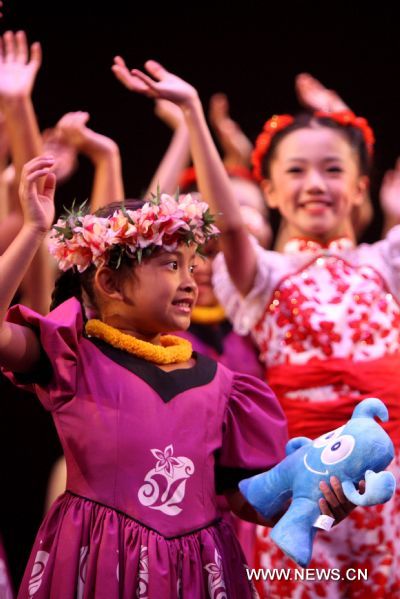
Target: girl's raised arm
236,146
177,157
213,181
103,152
19,346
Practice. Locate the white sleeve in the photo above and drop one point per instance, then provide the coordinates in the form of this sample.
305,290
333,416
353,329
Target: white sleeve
384,257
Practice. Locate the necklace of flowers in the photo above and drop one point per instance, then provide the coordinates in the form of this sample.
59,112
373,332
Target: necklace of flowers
172,350
207,314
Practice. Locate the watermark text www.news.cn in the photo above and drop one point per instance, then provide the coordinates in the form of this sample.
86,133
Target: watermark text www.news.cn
308,574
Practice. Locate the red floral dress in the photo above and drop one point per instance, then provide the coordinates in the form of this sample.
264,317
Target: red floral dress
326,321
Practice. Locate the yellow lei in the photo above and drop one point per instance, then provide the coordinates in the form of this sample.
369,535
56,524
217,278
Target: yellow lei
208,314
171,351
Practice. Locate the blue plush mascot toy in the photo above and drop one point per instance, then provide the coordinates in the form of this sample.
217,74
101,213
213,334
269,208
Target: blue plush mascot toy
359,449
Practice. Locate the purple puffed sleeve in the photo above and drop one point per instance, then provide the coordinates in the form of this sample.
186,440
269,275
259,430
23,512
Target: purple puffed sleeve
59,333
255,431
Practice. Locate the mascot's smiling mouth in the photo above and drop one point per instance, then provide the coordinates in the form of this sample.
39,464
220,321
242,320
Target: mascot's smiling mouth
312,469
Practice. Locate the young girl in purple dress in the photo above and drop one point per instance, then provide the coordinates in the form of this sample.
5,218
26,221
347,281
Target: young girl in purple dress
148,429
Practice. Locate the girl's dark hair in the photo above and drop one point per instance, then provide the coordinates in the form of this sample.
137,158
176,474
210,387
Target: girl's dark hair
303,120
71,283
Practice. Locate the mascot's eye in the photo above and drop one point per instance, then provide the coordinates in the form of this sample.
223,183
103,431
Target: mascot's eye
338,449
327,438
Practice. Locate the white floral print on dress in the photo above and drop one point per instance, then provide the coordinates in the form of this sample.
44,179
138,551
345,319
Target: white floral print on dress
37,572
166,482
83,557
143,574
216,583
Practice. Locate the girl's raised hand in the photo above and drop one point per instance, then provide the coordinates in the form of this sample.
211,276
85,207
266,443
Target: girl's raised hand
312,94
36,197
334,502
18,65
236,146
72,130
162,84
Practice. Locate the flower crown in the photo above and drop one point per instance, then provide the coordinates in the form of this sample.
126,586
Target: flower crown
281,121
79,239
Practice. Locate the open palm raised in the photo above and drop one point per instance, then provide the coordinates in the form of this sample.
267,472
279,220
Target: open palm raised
18,65
161,84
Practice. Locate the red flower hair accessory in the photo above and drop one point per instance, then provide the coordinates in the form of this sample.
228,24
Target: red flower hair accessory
263,142
347,118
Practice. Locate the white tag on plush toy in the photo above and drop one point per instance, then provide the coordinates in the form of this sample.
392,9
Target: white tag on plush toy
324,522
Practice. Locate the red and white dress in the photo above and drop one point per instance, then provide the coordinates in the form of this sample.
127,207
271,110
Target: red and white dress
326,320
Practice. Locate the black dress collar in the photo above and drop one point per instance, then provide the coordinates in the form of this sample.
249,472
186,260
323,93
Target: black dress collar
166,384
212,335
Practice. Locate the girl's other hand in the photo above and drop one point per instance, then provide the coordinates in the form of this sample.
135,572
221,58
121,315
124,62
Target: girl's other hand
18,65
236,146
162,84
71,129
334,503
37,198
312,94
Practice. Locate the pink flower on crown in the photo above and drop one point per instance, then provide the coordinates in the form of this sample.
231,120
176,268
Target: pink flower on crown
168,206
59,251
79,255
83,246
148,231
148,213
171,216
194,211
120,224
200,236
156,221
93,234
122,230
171,225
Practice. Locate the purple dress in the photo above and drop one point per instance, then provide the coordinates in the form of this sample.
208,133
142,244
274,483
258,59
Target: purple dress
221,343
145,450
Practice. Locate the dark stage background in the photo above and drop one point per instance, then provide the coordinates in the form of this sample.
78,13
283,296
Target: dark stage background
252,56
